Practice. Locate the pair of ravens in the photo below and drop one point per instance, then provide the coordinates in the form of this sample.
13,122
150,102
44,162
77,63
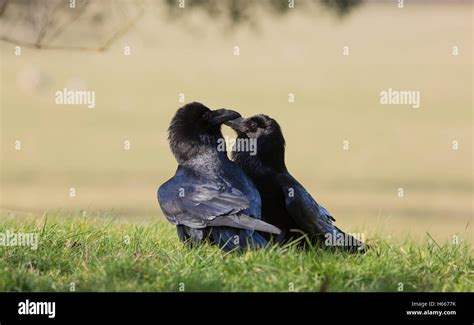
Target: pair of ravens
251,201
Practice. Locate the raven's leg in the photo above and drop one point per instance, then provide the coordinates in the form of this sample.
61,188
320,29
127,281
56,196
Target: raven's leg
191,235
182,234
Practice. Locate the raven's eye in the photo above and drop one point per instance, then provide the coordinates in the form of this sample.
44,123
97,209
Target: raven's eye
206,116
253,125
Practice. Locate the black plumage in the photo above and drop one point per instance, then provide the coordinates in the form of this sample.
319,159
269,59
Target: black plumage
210,197
285,202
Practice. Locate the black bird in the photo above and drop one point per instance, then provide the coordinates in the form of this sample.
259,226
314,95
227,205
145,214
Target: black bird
210,197
285,202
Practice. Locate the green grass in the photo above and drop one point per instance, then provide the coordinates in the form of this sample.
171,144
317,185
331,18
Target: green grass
92,252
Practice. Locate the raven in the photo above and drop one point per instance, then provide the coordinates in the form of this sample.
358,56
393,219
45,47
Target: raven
285,202
210,197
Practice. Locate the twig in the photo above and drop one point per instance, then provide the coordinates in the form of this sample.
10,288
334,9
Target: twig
103,47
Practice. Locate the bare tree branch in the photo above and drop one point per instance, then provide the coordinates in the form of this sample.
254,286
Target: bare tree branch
39,45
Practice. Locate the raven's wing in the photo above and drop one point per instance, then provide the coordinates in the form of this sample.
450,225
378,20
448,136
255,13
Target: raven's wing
199,202
312,218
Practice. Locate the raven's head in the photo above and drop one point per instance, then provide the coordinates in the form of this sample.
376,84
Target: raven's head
267,132
195,126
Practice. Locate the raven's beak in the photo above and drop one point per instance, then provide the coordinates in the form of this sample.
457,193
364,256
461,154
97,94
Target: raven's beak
237,124
222,115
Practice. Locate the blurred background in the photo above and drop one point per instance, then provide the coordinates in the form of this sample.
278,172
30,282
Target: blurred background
390,168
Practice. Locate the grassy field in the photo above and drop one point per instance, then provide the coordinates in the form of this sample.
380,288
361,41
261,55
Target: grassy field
97,253
336,100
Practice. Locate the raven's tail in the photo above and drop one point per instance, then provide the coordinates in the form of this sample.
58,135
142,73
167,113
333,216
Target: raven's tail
243,221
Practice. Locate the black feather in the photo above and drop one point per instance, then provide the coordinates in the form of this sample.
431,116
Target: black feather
285,202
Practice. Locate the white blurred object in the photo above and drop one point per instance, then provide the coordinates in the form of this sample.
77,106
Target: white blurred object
30,79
